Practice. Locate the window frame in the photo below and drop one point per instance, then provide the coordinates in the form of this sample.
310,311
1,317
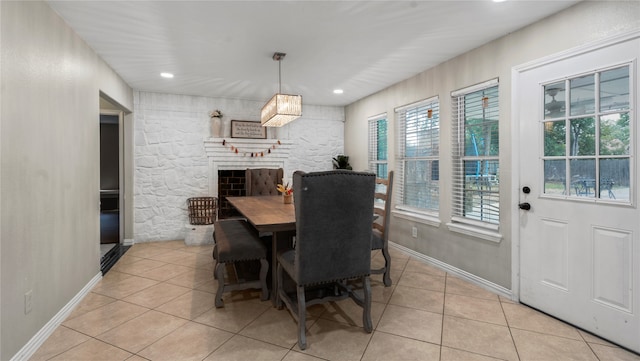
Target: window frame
597,114
488,230
425,215
374,141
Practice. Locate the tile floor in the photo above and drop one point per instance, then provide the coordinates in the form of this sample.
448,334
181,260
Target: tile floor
157,303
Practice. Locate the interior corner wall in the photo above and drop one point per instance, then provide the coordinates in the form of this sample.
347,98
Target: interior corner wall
585,22
49,157
170,160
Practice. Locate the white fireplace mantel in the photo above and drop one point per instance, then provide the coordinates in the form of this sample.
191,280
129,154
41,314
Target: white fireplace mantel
222,157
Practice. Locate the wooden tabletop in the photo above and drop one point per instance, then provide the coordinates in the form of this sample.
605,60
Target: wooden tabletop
266,213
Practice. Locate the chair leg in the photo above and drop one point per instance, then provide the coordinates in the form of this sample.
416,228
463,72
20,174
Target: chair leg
215,276
366,308
302,318
219,272
264,268
386,277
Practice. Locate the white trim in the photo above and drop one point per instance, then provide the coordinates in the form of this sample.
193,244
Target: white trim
515,189
516,72
578,50
419,217
469,277
41,336
378,117
476,87
492,227
416,104
487,234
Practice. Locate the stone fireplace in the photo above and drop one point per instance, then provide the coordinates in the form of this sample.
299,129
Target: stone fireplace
230,157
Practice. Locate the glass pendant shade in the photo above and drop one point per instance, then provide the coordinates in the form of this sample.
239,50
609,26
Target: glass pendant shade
281,109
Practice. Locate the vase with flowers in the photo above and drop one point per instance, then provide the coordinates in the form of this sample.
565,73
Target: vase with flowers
287,193
216,123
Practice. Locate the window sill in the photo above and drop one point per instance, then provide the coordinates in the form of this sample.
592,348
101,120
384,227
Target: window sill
487,234
422,218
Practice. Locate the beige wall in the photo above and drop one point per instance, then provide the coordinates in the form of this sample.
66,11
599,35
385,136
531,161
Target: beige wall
49,151
581,24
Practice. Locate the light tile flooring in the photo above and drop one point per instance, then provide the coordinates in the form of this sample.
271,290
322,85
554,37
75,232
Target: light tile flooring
157,303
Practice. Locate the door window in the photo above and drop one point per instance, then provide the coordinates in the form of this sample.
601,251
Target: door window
586,133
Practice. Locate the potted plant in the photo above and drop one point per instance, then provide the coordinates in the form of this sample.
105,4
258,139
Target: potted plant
341,162
287,192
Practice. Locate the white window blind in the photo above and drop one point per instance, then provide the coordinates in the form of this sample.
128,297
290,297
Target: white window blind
418,172
378,145
475,153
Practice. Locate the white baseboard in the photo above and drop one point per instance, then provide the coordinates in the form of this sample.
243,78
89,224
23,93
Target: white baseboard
128,242
481,282
41,336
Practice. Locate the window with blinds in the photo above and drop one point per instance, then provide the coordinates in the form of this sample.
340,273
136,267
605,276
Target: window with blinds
378,145
418,173
475,152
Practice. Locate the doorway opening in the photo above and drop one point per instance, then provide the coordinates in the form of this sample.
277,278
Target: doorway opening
116,181
109,180
110,225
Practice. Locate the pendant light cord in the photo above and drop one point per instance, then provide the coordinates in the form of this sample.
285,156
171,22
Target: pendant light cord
279,77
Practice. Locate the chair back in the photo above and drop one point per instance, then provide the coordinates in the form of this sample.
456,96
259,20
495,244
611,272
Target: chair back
263,181
382,206
333,225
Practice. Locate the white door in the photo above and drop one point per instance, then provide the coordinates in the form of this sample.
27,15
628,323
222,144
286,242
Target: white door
578,150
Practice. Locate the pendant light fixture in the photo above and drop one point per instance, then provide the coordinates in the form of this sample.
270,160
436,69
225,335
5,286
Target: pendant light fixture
281,108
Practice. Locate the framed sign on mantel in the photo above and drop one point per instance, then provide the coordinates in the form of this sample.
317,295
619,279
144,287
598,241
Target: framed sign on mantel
247,129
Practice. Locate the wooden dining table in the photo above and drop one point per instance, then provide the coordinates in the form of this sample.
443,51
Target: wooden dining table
269,214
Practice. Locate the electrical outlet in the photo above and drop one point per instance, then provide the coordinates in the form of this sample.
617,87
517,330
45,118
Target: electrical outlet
27,301
414,232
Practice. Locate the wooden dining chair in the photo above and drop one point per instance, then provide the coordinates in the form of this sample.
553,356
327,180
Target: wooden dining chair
380,239
333,244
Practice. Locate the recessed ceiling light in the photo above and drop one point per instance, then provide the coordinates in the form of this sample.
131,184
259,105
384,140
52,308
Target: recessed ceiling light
166,75
338,91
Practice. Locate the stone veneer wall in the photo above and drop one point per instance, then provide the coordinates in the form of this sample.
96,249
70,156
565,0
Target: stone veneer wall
170,163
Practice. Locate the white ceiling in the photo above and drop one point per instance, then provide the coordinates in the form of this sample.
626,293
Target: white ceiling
224,48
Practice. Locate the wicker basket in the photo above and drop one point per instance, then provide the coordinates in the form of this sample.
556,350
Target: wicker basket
202,210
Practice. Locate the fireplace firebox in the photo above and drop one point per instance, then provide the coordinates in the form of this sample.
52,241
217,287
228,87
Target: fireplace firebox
230,184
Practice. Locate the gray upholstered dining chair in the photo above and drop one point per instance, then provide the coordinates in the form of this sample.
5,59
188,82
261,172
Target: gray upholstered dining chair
380,239
333,243
263,181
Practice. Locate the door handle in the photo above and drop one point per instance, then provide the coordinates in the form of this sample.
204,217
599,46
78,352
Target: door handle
525,206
